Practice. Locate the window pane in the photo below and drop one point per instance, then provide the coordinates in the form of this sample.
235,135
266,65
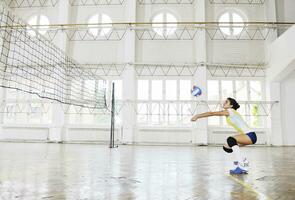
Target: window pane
227,89
214,121
101,30
105,30
213,90
166,29
89,89
228,29
237,18
76,90
225,27
142,110
43,21
241,90
171,27
172,113
143,90
184,89
157,91
118,89
155,112
171,90
255,119
255,90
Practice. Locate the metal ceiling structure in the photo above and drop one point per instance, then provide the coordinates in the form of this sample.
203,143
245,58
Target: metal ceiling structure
176,69
158,31
53,3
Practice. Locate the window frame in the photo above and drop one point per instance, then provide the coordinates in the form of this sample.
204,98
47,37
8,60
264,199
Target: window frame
33,32
98,29
163,119
231,11
234,79
164,26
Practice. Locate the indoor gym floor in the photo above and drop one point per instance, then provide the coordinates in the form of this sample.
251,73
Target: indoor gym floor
89,171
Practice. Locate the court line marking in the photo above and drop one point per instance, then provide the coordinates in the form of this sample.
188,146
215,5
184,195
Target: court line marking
249,187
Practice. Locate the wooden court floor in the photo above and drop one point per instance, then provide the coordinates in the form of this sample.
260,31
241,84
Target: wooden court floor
88,171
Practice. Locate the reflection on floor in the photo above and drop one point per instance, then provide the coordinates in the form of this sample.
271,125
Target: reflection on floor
79,171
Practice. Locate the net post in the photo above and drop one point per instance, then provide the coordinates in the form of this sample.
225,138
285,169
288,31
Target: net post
112,134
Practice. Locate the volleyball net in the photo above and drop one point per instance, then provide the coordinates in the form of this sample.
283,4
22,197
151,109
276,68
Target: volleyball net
32,64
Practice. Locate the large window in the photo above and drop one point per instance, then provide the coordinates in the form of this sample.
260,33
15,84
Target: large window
157,89
164,102
213,87
225,21
143,90
244,91
99,30
184,93
41,22
164,29
171,90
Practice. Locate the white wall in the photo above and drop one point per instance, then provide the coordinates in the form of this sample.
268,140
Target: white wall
285,10
288,109
220,51
281,78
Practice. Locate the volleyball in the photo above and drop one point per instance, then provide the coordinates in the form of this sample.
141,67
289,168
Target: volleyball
196,91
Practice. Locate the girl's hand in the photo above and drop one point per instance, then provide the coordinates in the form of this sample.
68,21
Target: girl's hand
194,118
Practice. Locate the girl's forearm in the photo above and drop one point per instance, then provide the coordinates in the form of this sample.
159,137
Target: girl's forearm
203,115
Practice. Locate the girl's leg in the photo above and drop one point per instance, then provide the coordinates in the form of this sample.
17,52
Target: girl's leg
234,143
243,139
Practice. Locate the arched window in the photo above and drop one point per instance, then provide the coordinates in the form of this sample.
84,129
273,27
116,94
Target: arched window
41,22
99,30
164,29
229,29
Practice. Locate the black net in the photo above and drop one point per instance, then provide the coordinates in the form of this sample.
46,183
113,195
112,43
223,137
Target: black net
30,63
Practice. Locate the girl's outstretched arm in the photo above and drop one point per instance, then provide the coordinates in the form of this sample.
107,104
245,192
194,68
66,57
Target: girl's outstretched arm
209,114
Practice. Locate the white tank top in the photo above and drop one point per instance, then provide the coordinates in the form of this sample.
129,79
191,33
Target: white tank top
237,122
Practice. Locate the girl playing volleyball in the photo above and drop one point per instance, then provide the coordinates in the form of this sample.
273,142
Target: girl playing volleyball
245,136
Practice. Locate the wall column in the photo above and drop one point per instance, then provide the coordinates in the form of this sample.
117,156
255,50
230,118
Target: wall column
129,79
200,130
57,130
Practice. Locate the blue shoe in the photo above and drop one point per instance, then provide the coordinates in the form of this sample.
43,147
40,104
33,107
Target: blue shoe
238,170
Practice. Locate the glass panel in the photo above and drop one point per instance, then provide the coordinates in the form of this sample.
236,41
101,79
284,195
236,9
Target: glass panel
157,90
213,90
214,121
172,113
155,113
93,20
142,113
143,89
241,91
89,89
227,89
184,89
118,89
106,29
255,90
158,28
32,21
255,119
171,27
171,90
225,27
237,18
43,21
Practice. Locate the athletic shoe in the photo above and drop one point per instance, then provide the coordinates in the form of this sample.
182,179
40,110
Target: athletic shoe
238,170
244,164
